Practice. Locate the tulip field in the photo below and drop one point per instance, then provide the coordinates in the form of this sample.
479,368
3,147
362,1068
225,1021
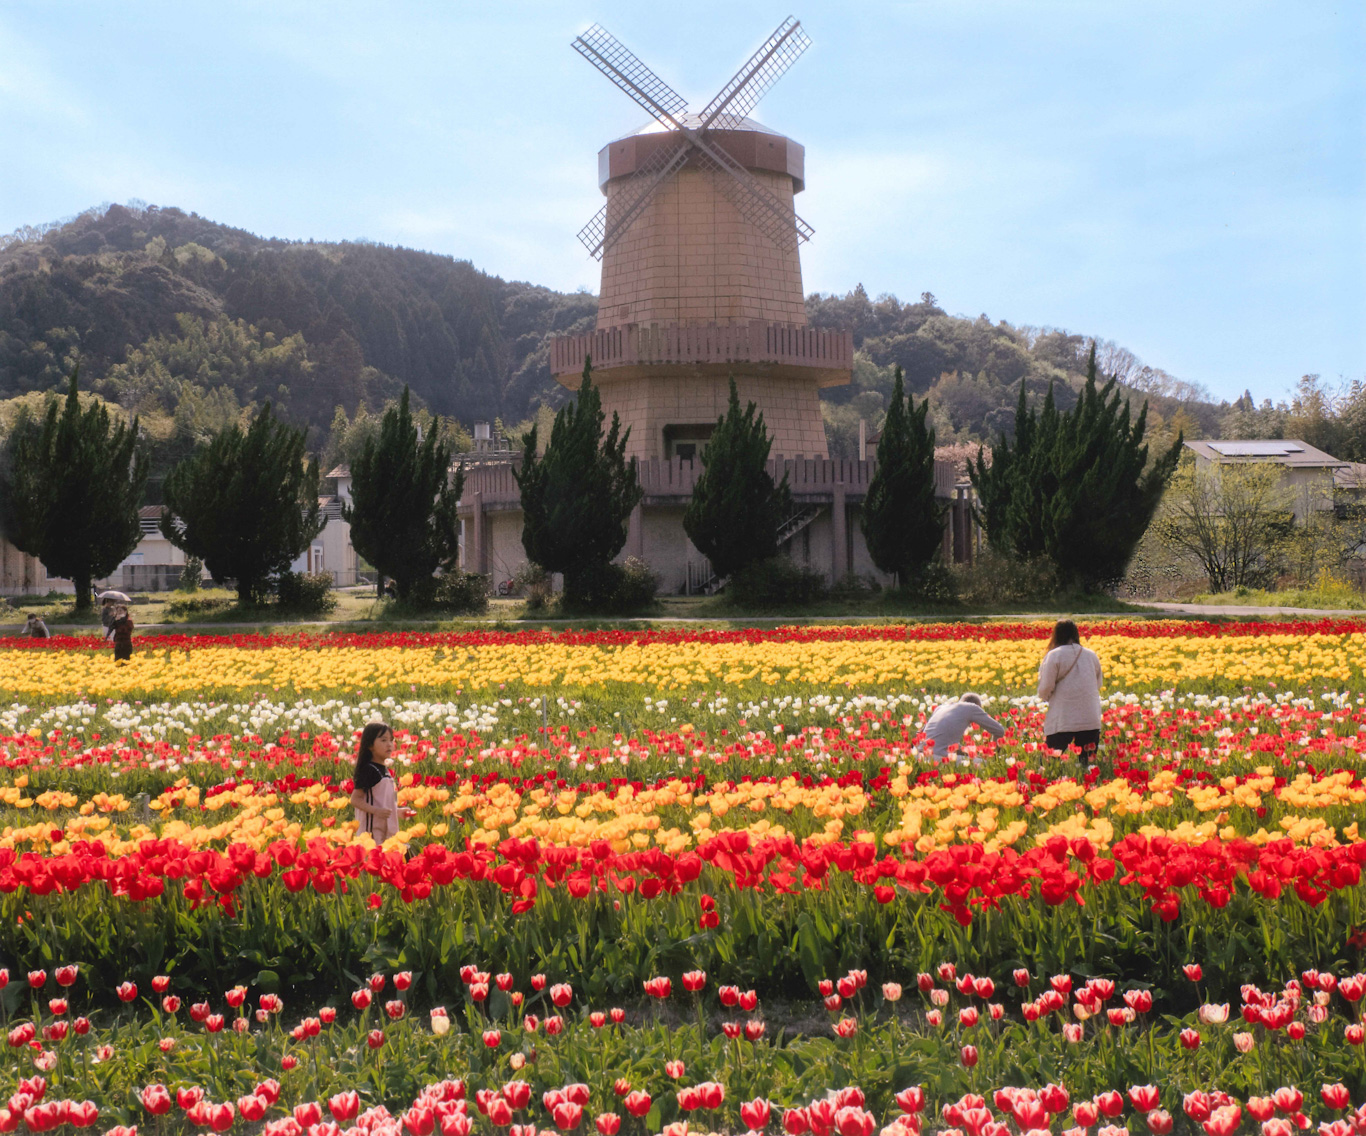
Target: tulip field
684,882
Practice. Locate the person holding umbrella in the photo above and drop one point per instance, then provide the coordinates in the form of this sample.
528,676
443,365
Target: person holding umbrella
121,632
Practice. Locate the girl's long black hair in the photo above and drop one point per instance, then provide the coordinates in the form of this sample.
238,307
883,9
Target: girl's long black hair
368,735
1064,633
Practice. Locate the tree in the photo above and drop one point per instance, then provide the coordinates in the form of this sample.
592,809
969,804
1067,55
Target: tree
246,503
902,521
71,490
1075,486
578,496
736,509
403,501
1231,518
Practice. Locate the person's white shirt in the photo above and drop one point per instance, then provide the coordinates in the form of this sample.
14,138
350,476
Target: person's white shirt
382,795
946,726
1069,680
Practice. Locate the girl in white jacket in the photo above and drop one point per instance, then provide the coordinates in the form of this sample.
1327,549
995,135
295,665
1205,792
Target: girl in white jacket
1070,679
375,797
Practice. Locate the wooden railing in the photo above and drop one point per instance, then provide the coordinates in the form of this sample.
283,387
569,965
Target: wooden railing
675,477
753,342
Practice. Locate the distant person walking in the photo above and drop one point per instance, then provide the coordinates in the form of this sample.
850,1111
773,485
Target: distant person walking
949,721
121,632
35,628
1070,679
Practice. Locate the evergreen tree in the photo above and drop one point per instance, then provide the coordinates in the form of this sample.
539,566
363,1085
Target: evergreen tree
1076,487
577,498
902,521
403,501
71,491
246,504
736,509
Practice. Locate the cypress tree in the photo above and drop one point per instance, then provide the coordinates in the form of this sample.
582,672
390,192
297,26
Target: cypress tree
1076,487
736,509
71,492
578,496
246,504
403,502
902,521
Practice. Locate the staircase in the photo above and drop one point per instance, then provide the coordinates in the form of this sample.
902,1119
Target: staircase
703,580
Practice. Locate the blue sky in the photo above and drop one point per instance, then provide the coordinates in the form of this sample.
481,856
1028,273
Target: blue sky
1186,179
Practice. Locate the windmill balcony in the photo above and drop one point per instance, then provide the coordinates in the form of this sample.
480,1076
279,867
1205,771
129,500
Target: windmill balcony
821,353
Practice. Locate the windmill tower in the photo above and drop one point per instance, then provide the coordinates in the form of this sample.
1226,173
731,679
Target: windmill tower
701,278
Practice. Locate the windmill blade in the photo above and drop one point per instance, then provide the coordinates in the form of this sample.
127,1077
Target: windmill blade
605,229
761,208
615,60
765,67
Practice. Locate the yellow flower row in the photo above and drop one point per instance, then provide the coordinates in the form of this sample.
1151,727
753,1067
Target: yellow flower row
674,816
1129,663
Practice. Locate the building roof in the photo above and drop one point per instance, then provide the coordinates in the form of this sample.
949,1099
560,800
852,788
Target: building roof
342,470
1351,476
694,122
1283,451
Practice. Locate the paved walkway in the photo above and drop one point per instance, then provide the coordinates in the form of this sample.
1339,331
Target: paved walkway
361,626
1233,609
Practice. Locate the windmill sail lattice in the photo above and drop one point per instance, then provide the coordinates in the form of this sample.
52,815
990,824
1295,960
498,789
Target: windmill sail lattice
727,111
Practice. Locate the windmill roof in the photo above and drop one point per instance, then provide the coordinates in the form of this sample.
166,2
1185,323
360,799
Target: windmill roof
694,122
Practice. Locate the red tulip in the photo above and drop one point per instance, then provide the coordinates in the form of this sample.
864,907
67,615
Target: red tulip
327,1015
729,995
852,1121
361,999
82,1115
213,1023
395,1009
755,1113
911,1101
66,975
621,1086
188,1097
252,1107
1354,1034
1223,1121
1159,1122
969,1055
310,1112
269,1088
597,1019
538,981
289,1061
754,1030
1110,1103
419,1121
377,982
1288,1099
493,1038
694,980
126,991
344,1106
674,1069
156,1099
1085,1113
402,980
561,994
796,1122
517,1094
161,983
1190,1039
1193,972
567,1115
36,979
1062,983
1021,976
81,1026
499,1112
503,981
1336,1096
637,1103
608,1123
617,1014
1144,1098
220,1117
375,1038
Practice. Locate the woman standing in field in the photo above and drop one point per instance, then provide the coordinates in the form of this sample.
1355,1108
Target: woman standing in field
1070,679
121,632
375,797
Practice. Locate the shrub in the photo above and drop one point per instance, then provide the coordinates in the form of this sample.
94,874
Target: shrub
461,591
933,583
306,593
775,582
998,578
534,584
614,589
190,575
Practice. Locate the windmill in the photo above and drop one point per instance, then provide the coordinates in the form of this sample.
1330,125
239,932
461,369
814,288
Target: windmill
692,139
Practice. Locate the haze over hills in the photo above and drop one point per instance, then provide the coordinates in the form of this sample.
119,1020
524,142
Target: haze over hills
186,320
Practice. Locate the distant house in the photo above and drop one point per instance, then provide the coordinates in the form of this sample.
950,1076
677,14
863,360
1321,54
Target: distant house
1309,472
25,575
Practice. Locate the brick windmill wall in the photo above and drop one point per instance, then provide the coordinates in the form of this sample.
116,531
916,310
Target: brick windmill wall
693,294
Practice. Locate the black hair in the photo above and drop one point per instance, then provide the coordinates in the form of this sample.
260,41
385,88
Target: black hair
372,731
1064,633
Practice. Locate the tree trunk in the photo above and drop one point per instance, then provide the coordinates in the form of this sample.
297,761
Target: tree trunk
244,593
82,583
379,585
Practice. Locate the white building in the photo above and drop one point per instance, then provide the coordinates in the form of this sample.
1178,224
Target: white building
1308,472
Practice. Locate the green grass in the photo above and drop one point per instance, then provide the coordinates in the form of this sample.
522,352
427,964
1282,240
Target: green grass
1345,597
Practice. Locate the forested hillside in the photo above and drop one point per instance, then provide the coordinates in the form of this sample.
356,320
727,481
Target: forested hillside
187,321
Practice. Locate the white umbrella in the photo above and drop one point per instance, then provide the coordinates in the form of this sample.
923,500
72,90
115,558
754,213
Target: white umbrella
114,597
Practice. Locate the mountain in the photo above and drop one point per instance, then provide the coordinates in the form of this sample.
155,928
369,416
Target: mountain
186,321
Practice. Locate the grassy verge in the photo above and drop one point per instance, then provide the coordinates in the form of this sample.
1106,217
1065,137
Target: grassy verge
1346,598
